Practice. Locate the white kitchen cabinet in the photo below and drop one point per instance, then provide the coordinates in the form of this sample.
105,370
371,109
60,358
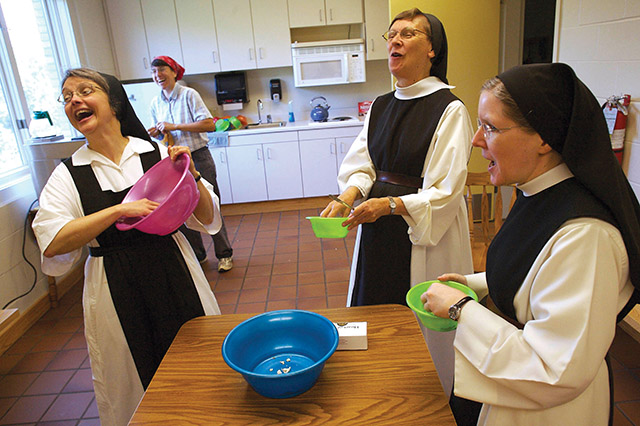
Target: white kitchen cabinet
271,33
219,155
321,159
313,13
198,37
376,20
252,34
161,28
129,38
264,167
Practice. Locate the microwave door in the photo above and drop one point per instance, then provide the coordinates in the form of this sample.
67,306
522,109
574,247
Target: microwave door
321,70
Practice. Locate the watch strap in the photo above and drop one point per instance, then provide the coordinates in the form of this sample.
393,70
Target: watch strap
392,205
457,307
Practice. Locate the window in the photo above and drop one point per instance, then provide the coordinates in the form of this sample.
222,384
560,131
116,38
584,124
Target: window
35,44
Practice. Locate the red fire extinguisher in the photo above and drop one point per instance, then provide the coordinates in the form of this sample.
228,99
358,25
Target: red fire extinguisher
615,112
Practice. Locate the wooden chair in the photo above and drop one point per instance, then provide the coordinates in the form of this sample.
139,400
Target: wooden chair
482,234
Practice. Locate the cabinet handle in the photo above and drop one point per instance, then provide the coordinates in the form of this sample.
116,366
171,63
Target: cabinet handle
372,46
145,62
342,145
259,152
222,158
215,59
268,153
250,54
320,14
331,14
332,149
261,51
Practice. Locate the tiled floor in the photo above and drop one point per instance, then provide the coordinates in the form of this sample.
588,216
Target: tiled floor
45,377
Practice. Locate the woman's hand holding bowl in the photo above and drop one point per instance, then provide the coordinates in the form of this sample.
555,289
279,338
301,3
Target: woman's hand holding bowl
439,297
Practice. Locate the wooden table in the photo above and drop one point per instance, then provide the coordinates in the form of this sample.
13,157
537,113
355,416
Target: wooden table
393,382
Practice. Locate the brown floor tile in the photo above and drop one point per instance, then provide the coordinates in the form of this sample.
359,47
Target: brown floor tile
277,305
283,293
261,260
92,411
255,282
34,362
65,360
625,349
228,285
28,409
52,342
8,362
310,266
312,303
24,344
5,404
282,280
624,385
332,264
77,341
264,250
619,419
41,327
68,325
250,308
80,382
311,278
253,295
69,406
311,290
307,256
259,270
227,297
340,288
337,301
631,410
50,382
337,275
16,384
287,240
228,309
313,246
285,258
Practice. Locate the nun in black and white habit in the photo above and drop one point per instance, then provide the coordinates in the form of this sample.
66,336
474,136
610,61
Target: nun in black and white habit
564,267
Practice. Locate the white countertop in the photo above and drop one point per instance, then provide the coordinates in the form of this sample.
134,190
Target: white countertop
300,125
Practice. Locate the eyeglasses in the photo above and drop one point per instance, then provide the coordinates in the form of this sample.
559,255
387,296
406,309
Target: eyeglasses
488,130
82,91
406,33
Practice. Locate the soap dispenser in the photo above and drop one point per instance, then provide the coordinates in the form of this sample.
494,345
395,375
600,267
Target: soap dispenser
276,90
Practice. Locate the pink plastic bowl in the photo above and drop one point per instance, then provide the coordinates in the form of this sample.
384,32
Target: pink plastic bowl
170,184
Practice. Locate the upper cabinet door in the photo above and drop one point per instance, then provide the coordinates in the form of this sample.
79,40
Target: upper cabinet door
340,12
235,34
161,27
271,33
198,36
306,13
376,18
129,38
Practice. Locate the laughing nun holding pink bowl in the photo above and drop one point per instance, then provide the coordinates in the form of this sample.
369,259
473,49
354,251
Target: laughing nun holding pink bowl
564,267
139,288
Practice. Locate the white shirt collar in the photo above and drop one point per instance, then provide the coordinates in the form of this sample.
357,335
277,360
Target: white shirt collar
174,93
424,87
85,155
546,180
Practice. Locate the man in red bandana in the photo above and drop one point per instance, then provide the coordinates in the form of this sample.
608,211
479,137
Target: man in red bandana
179,111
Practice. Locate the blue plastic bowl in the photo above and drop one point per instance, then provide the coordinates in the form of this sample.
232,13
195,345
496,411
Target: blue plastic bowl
281,353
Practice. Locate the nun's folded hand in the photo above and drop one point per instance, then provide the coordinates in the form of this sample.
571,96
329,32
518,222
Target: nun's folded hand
439,297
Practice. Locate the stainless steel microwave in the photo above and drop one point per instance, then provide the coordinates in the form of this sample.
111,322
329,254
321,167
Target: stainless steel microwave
328,62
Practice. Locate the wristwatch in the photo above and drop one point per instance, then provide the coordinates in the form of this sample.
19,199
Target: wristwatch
392,204
456,308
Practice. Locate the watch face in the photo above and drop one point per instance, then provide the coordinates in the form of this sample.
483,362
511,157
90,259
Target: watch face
454,311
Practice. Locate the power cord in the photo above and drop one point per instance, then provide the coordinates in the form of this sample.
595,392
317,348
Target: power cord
35,272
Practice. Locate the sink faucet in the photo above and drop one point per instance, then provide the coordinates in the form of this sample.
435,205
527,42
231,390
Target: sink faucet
259,109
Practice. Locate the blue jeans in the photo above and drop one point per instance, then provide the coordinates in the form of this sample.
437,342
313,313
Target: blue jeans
204,164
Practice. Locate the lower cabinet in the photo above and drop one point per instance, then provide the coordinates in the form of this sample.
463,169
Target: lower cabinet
321,160
219,155
265,171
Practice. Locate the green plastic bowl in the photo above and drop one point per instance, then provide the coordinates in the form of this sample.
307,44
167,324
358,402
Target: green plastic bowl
328,227
235,122
222,125
427,318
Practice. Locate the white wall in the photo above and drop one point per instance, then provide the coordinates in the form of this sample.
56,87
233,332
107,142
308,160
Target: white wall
16,276
599,39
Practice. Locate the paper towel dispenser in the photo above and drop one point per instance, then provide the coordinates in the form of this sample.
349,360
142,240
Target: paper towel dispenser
231,88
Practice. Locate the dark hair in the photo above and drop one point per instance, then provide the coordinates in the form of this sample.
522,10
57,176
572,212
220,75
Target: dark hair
97,78
159,63
497,88
409,15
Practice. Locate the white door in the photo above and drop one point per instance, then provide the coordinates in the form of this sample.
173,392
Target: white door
306,13
161,28
235,34
246,172
376,19
219,155
282,165
129,38
319,172
198,36
271,33
343,12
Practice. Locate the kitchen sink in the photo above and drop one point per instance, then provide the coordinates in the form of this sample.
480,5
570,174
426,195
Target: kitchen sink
265,125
